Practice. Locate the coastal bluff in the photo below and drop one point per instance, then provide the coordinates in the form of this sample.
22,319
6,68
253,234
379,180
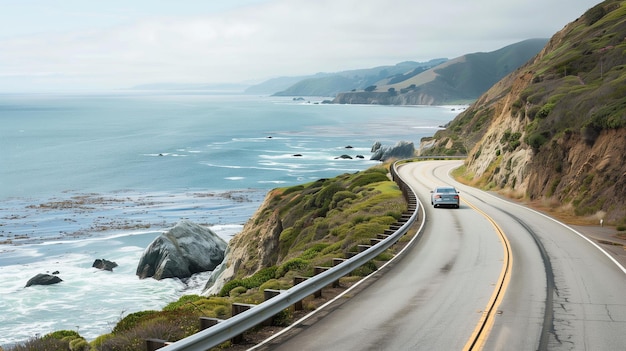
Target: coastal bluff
553,132
300,227
184,250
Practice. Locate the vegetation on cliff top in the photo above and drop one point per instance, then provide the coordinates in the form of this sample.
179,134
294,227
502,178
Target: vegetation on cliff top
547,129
320,220
332,216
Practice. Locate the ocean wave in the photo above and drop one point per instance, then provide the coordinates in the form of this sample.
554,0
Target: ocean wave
165,154
272,182
234,178
429,127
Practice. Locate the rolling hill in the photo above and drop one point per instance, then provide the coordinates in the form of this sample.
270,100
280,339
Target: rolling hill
460,80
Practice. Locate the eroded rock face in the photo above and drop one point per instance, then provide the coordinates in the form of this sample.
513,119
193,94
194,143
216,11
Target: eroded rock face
184,250
43,279
252,249
402,149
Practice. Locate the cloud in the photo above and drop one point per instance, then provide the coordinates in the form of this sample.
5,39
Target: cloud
281,37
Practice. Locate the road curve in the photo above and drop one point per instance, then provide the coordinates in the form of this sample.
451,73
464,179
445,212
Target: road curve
563,293
431,299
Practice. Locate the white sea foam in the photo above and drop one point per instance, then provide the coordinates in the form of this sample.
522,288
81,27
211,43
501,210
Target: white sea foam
72,196
271,182
429,127
85,291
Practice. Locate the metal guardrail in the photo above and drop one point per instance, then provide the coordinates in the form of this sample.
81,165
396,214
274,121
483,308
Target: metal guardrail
246,320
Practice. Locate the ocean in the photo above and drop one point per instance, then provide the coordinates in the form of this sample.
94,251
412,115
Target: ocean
100,175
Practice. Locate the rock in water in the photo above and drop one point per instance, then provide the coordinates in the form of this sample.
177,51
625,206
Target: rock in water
43,279
104,264
184,250
402,149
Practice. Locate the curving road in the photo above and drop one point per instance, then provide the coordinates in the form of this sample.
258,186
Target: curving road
560,293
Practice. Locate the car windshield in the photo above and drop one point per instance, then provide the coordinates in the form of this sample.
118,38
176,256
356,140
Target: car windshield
446,190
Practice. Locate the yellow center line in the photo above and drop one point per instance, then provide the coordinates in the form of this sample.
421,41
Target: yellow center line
482,330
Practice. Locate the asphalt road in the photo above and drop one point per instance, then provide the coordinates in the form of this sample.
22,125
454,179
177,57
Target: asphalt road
561,293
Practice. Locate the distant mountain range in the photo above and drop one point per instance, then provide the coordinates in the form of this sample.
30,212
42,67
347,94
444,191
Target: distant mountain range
435,82
330,84
460,80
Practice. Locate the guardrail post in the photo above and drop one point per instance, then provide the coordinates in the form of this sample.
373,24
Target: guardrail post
316,271
268,294
374,241
236,309
155,344
298,305
363,248
207,322
336,262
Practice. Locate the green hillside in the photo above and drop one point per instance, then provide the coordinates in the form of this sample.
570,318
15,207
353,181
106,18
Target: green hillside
329,84
555,130
458,81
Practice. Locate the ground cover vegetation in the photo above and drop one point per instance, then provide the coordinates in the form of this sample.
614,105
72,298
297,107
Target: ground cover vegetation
321,220
550,129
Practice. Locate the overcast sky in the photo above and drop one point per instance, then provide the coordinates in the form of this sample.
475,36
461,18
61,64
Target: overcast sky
81,44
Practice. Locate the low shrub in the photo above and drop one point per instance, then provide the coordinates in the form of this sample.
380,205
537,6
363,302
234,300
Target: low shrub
97,342
132,320
41,344
545,110
366,269
536,140
368,178
297,264
250,282
62,334
283,318
79,345
185,301
237,291
167,325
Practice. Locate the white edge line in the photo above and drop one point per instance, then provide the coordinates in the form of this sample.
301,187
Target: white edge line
556,221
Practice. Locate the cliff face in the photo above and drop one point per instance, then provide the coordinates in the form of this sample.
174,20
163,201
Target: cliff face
252,249
311,223
386,98
555,129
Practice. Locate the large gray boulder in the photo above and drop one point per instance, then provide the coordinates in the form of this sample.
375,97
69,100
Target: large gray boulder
184,250
402,149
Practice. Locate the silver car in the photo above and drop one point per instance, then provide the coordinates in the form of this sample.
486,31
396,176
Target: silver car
445,196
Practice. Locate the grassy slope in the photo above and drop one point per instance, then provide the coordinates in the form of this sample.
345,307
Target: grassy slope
460,80
573,94
320,221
